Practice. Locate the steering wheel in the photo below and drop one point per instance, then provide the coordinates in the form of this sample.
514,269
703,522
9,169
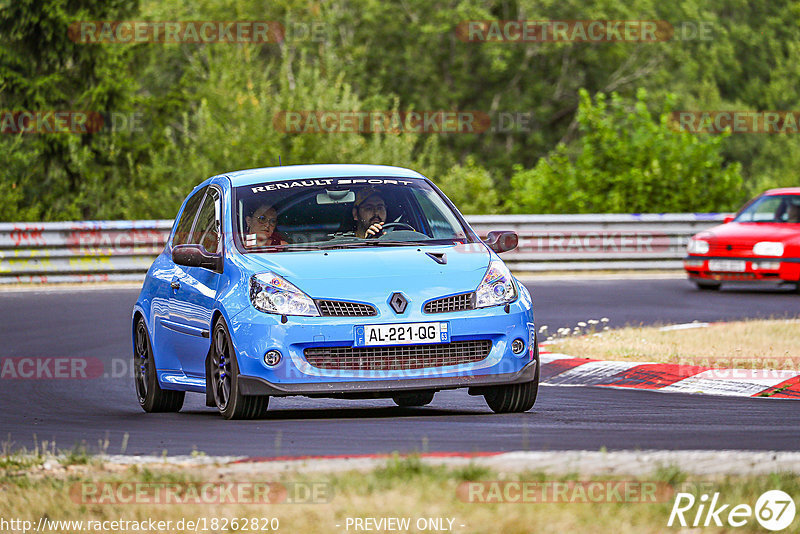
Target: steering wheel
395,225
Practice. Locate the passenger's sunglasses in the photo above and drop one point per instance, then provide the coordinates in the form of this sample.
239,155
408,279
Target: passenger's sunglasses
263,220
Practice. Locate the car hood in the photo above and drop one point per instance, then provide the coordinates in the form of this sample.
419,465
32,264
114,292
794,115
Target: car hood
751,232
370,273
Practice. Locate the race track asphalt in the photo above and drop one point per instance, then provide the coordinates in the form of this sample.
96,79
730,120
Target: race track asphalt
96,324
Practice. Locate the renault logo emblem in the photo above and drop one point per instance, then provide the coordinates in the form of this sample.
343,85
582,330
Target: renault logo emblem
398,303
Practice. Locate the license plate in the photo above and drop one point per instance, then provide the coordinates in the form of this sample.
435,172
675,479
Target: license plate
731,266
402,334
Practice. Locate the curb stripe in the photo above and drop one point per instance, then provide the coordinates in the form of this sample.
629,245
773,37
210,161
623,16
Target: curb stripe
716,387
554,368
591,373
563,370
654,375
790,389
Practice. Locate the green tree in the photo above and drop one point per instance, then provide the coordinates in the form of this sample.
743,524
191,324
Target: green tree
62,175
471,188
627,161
241,127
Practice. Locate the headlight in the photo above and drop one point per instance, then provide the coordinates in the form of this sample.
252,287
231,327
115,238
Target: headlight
497,286
697,246
272,294
768,248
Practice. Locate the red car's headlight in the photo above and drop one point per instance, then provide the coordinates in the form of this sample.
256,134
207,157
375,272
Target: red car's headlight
768,248
697,246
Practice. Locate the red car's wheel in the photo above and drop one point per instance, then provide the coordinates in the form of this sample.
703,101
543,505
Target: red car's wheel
417,398
708,286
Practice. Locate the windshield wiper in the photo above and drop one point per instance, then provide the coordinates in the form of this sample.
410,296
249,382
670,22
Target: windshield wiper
348,244
345,244
389,243
283,248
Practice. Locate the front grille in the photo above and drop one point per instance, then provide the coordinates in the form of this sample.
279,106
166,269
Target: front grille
465,301
723,275
721,249
399,357
341,308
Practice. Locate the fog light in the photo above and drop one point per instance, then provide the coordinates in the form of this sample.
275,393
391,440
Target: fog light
272,358
517,346
694,263
767,265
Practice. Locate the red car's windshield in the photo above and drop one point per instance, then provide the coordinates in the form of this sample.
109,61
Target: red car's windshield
772,209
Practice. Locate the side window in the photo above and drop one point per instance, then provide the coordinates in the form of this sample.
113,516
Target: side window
442,221
184,226
206,229
764,211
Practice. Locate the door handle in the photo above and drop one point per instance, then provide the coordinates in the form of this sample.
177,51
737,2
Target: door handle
175,284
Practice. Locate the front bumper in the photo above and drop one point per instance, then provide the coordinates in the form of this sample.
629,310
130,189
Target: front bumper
255,333
252,385
756,269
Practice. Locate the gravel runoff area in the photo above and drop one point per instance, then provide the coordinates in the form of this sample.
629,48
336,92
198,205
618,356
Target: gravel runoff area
608,463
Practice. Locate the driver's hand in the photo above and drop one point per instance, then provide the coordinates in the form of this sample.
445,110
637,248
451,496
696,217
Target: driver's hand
374,230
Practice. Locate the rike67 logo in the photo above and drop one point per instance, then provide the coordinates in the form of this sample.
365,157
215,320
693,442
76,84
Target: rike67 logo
774,510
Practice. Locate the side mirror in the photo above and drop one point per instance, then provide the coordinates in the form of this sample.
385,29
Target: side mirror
196,256
727,219
502,241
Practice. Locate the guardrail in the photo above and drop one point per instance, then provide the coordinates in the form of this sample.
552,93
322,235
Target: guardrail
92,251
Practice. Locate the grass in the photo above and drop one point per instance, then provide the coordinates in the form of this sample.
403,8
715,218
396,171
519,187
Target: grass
15,462
754,344
405,487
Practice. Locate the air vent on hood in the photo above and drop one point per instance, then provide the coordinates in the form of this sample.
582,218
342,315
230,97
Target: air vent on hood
438,257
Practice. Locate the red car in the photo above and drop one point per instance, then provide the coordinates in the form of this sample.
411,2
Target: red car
760,243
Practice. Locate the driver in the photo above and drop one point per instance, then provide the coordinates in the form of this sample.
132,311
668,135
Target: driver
793,211
369,212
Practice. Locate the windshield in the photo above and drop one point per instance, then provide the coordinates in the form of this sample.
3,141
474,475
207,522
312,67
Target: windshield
772,209
357,212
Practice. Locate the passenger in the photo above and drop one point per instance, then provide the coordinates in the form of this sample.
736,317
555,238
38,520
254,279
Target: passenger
261,228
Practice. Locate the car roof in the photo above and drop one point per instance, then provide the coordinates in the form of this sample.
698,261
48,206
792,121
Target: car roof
784,191
299,172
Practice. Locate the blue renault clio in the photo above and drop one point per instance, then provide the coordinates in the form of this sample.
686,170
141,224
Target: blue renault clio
343,281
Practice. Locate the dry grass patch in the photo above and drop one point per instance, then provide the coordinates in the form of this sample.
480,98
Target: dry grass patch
756,344
404,488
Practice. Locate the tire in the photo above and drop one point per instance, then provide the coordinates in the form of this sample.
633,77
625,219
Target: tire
515,398
708,286
224,380
413,399
151,397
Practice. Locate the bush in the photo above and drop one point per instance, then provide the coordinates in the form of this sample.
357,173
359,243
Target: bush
627,161
471,188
